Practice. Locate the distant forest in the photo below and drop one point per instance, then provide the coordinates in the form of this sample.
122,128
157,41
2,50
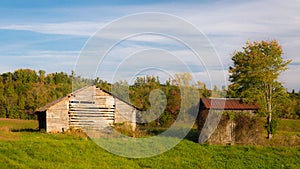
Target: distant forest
23,91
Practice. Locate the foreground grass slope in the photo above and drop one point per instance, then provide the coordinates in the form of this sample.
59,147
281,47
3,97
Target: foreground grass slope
25,148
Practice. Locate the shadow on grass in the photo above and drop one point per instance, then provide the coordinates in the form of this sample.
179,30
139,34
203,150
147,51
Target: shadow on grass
192,135
25,130
151,131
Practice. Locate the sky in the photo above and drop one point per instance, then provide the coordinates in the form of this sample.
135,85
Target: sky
55,35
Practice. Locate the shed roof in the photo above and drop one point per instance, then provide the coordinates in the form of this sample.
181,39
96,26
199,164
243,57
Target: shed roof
227,104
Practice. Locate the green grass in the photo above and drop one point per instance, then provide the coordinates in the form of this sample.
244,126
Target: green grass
289,125
41,150
287,134
18,124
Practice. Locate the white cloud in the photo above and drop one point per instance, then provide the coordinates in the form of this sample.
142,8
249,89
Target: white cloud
64,28
290,78
228,25
51,61
50,55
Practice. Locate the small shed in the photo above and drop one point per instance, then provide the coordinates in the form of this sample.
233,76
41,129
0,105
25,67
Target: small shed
86,108
232,110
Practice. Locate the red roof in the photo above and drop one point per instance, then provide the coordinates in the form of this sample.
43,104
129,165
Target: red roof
227,104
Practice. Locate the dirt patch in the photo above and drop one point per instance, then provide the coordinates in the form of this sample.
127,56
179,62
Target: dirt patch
6,134
10,138
18,121
5,129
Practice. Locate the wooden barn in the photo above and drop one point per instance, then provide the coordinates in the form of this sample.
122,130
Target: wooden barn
87,108
232,127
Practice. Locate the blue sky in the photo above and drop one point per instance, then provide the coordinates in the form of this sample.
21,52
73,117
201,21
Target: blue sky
51,34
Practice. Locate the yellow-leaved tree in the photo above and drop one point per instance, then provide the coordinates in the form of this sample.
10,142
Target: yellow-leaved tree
254,75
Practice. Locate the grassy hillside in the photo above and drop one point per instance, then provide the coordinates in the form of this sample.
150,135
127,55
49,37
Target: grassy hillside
23,147
289,125
288,133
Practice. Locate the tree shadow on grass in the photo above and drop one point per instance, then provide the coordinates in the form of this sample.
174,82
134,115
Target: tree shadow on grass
192,135
25,130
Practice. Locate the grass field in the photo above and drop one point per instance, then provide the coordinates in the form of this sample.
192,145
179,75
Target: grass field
21,146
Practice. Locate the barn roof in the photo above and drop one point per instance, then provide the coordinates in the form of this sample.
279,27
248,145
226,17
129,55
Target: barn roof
227,104
47,106
121,99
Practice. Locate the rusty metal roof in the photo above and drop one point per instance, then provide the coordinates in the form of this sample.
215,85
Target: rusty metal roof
227,104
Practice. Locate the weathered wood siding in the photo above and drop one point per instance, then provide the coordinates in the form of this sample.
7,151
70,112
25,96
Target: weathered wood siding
91,109
88,108
57,116
125,113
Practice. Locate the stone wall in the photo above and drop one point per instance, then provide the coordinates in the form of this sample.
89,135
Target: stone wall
234,127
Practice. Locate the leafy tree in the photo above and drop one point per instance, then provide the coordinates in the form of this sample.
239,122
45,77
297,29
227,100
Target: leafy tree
254,75
23,91
42,76
294,108
219,93
2,99
189,94
102,84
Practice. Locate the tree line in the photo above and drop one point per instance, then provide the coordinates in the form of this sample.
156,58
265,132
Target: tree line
24,91
170,91
253,75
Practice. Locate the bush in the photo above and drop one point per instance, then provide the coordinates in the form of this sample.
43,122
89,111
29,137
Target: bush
238,128
271,128
248,129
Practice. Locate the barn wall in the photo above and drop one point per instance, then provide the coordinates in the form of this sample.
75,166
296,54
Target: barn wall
87,108
91,109
57,118
225,133
201,118
125,113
